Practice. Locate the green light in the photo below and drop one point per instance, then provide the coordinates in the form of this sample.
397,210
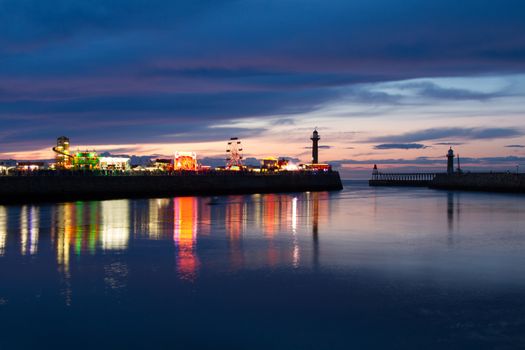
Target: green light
80,212
93,227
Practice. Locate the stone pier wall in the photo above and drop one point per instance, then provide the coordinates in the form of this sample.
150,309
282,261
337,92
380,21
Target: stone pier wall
497,182
80,187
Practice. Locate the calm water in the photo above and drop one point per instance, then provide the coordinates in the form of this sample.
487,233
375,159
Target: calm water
362,268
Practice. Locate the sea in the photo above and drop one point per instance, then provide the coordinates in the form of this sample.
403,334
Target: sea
362,268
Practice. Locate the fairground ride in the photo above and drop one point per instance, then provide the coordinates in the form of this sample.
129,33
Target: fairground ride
234,160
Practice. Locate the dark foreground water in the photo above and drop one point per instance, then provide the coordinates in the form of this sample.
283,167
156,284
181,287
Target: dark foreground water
394,268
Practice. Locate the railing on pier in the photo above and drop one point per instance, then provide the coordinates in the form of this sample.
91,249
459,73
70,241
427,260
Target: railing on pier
402,179
404,176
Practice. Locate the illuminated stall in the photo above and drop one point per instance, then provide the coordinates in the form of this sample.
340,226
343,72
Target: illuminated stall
269,164
114,163
316,167
163,164
185,161
85,160
29,166
3,169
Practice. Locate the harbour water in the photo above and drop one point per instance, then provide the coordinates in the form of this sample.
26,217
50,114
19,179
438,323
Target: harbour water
396,268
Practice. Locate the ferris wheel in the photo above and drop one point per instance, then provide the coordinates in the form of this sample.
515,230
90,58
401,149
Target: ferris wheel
234,153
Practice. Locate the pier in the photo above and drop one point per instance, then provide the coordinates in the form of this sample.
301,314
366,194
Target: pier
453,179
490,182
92,186
402,179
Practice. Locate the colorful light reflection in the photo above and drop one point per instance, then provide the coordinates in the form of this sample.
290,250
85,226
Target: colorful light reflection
185,235
3,230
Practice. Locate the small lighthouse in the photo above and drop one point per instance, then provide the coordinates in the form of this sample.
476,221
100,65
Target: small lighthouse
375,172
315,147
450,161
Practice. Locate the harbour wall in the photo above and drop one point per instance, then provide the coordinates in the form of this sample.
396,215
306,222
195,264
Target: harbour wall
86,187
494,182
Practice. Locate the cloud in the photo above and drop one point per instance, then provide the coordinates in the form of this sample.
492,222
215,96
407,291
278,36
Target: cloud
225,39
429,161
400,146
283,121
31,23
449,143
320,147
435,91
447,133
132,71
190,117
211,134
515,146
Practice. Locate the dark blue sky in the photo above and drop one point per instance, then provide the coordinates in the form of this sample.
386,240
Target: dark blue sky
108,72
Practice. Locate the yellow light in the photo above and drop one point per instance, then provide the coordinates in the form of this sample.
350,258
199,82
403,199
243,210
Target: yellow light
291,167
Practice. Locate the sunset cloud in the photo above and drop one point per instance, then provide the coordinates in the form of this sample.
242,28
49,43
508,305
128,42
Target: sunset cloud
400,146
159,72
451,133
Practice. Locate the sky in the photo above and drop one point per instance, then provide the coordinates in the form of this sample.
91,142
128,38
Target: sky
393,83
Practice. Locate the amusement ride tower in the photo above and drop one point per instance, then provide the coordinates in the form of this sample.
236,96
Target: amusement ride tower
63,157
234,153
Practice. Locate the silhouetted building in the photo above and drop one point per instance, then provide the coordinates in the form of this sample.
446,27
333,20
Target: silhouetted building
315,147
450,161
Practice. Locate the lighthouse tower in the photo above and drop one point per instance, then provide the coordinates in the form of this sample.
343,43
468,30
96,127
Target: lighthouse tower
450,161
315,147
375,172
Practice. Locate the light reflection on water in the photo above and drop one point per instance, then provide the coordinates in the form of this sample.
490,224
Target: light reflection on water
29,229
185,235
3,229
115,228
417,255
90,228
282,221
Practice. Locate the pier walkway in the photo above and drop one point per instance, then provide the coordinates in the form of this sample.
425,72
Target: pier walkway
402,179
